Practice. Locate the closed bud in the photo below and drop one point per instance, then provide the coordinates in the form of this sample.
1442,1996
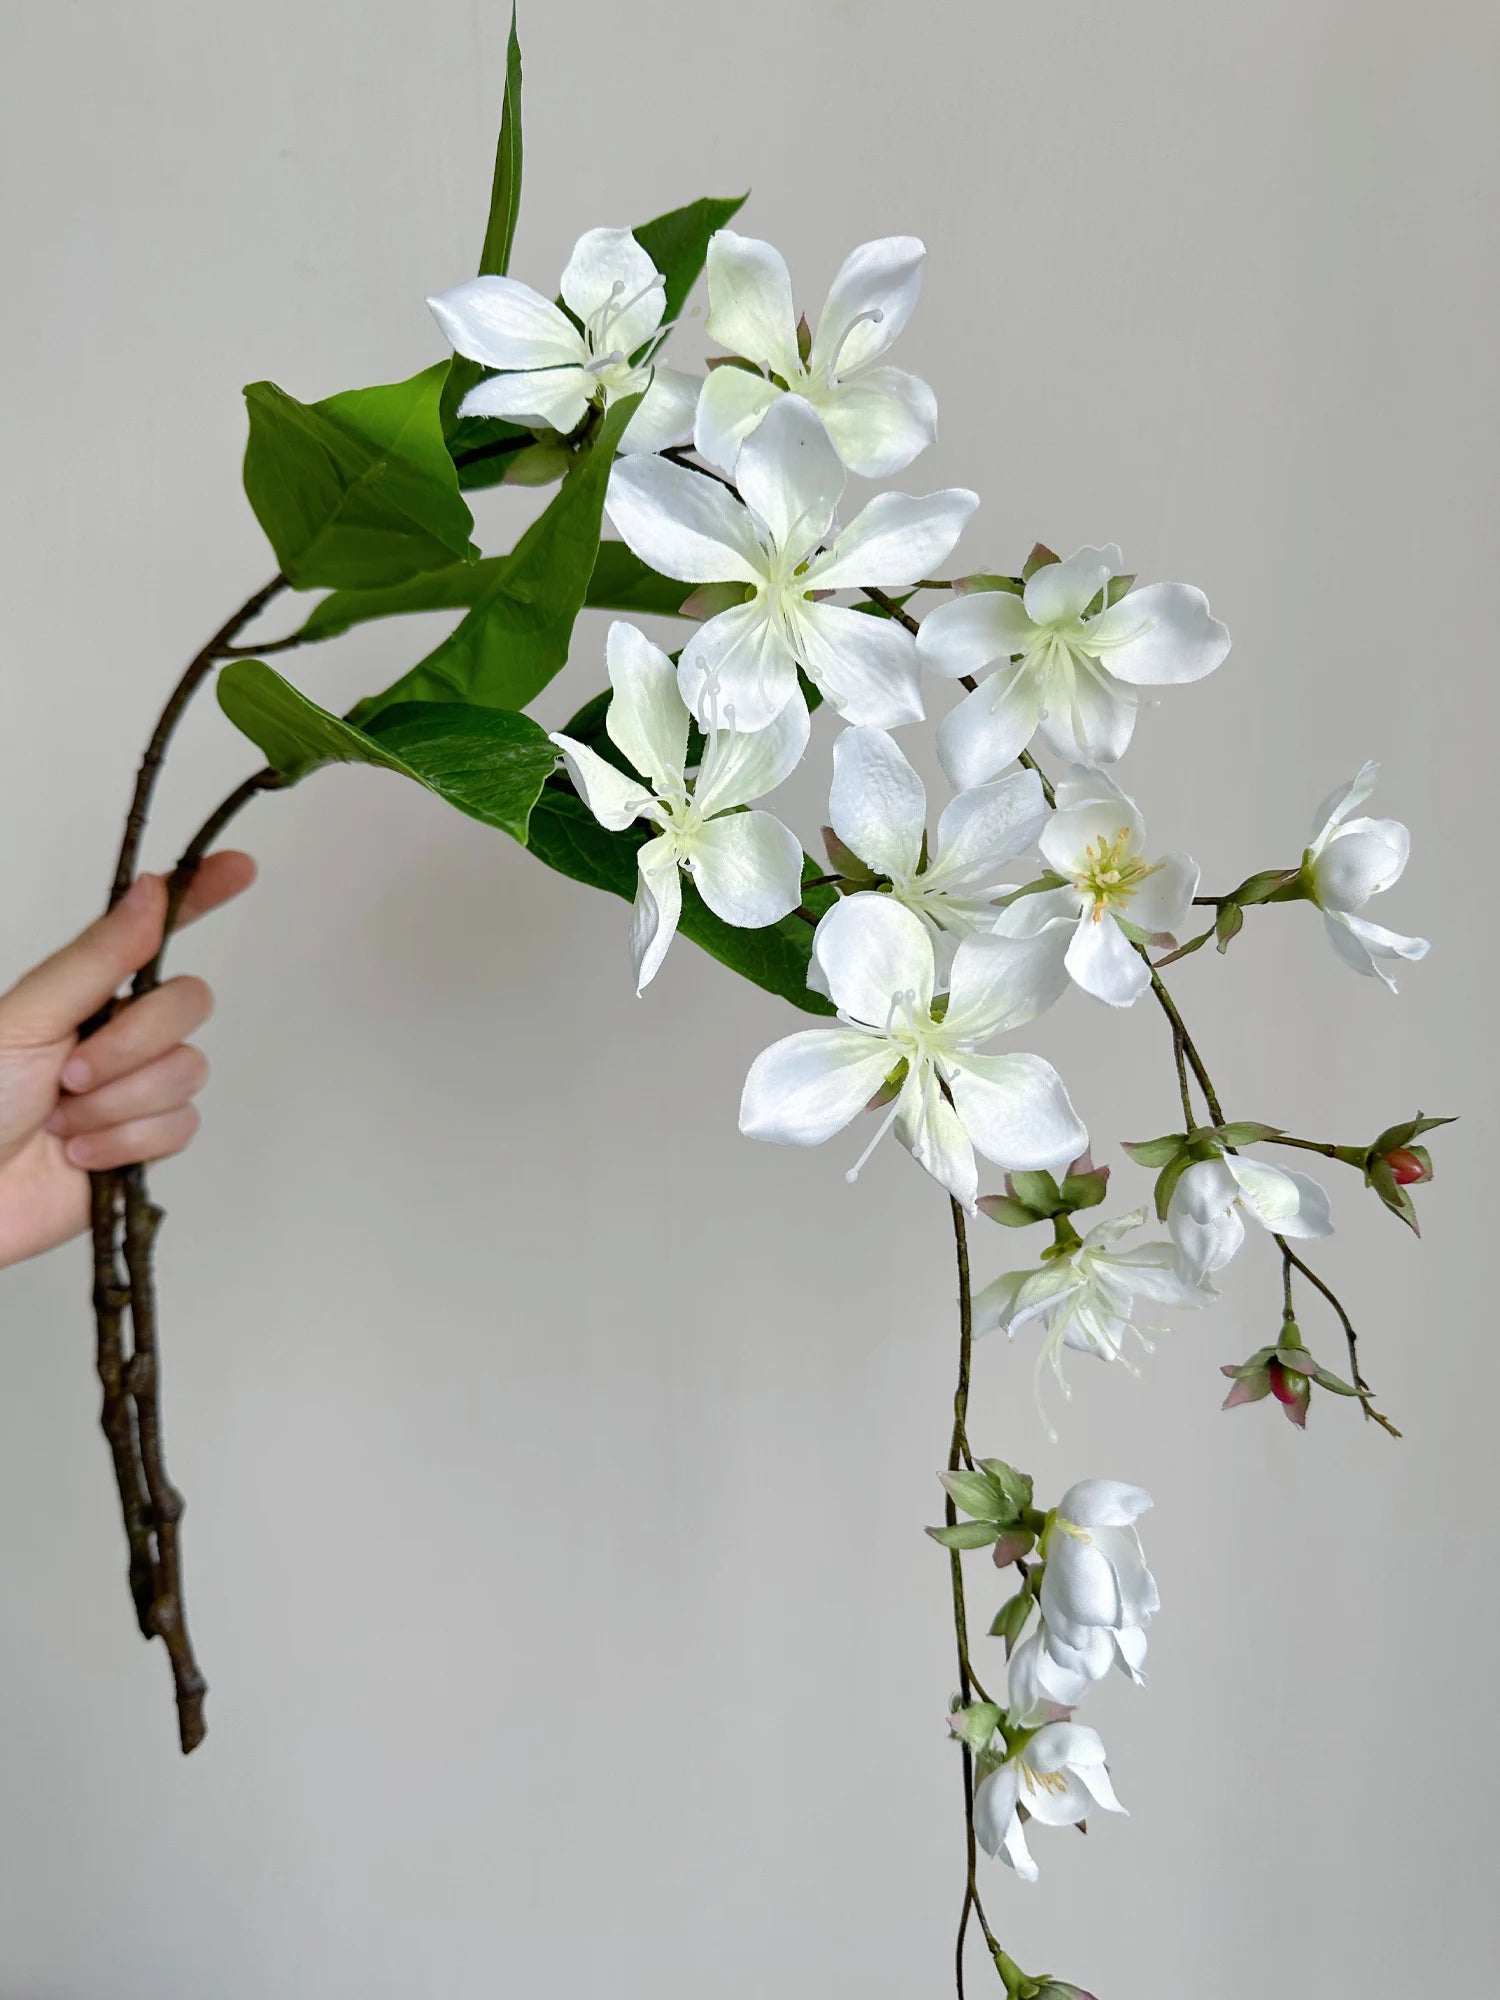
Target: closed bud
1409,1164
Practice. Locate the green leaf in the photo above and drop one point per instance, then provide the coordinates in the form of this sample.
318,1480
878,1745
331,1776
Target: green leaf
565,834
976,1725
1247,1132
1166,1182
485,762
1271,885
620,582
1016,1486
1010,1619
1037,1191
977,1494
516,636
1013,1214
677,243
1228,923
357,490
461,374
966,1535
1041,557
1155,1152
1084,1190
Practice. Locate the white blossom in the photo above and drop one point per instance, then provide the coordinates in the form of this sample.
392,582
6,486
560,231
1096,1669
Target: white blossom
1096,839
1097,1595
776,538
1058,1776
746,866
876,961
555,371
1053,665
878,417
1349,861
1206,1212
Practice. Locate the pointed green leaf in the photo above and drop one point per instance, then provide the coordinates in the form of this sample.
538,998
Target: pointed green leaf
966,1535
484,761
1247,1132
977,1494
1166,1182
1228,924
357,490
1156,1152
1011,1619
1016,1486
1037,1191
1084,1190
1013,1214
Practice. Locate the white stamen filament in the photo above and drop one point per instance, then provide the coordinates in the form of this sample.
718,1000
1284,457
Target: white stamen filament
874,317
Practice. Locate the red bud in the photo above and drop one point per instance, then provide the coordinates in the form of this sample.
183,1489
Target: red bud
1406,1167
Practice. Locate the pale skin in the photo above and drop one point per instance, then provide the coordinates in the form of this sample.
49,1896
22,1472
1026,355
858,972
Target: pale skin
68,1108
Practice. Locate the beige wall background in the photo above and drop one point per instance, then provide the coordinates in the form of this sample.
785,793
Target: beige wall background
557,1460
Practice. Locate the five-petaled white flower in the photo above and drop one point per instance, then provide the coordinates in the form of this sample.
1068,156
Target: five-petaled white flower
1097,1595
1096,839
746,866
1059,667
1208,1204
556,370
1058,1776
879,417
878,808
876,961
770,538
1349,861
1089,1297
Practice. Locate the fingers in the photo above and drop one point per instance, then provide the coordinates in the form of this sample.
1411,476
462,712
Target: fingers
219,880
161,1086
139,1034
136,1142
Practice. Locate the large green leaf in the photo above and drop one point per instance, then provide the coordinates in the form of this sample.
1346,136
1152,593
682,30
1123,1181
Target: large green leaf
620,582
488,763
565,834
515,638
678,242
356,490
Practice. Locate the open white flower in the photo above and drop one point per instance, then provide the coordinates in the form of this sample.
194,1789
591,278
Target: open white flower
878,809
1089,1298
555,371
1206,1212
1096,838
746,866
1058,1775
687,525
1057,668
879,417
1349,861
1097,1595
876,960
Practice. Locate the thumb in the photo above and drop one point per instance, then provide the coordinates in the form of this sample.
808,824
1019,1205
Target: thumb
55,997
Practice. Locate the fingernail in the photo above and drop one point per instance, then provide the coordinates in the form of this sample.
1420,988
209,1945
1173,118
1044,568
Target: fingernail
140,893
75,1074
78,1150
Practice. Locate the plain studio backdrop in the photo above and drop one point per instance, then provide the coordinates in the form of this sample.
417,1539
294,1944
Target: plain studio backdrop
557,1460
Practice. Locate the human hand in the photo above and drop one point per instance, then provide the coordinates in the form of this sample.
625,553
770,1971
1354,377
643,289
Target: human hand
125,1095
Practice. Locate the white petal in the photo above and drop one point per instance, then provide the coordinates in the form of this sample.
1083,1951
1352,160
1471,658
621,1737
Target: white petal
1104,1503
735,671
505,324
1017,1112
1271,1196
1103,961
994,1304
879,422
1203,1218
1077,826
868,303
896,539
609,795
550,398
1164,901
871,950
802,1090
865,666
789,474
1376,942
658,903
730,405
1152,1272
1342,800
1174,637
647,718
1000,982
985,827
968,634
1314,1216
741,765
609,270
1060,592
995,1811
877,803
1089,714
1360,861
990,727
665,415
1054,910
747,867
933,1133
750,308
682,523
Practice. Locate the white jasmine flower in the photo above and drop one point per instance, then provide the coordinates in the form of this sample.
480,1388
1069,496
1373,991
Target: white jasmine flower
1208,1204
1089,1298
878,809
878,417
1058,1776
1053,666
555,371
746,866
771,538
1349,861
1096,838
876,960
1097,1595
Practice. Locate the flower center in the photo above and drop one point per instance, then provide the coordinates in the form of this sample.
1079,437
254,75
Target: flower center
1041,1781
1111,873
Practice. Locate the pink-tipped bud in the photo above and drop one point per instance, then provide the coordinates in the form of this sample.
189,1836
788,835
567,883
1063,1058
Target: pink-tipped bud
1407,1167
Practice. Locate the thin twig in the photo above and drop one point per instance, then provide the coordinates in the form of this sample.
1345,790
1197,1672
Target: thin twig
890,607
677,454
1290,1260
